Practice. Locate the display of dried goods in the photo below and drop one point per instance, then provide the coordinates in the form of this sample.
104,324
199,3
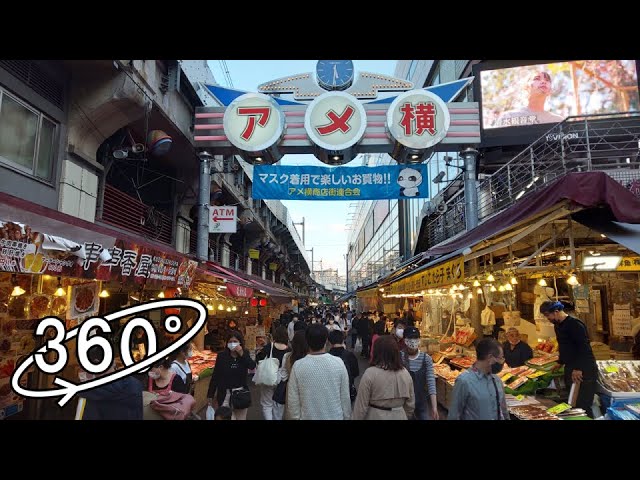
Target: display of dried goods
518,382
17,306
463,362
533,412
58,306
39,306
544,360
620,376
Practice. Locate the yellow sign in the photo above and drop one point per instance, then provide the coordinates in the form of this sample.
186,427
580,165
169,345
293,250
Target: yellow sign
273,266
372,292
446,273
253,253
629,264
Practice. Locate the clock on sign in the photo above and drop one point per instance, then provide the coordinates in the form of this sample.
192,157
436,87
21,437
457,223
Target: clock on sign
334,74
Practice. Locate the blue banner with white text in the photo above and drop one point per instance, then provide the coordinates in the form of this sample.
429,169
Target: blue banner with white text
275,182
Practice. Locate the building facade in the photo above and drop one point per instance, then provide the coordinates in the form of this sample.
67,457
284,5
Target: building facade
384,233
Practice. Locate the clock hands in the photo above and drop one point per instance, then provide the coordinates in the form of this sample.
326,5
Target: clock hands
335,74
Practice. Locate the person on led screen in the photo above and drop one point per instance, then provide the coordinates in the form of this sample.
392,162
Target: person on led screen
538,89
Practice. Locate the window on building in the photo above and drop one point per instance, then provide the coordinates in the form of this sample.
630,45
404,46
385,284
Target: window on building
412,69
27,137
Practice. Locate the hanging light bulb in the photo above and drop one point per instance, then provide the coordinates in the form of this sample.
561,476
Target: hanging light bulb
228,309
470,296
514,281
479,291
508,287
542,282
103,293
454,288
430,291
60,292
461,287
161,295
573,280
493,289
17,289
246,312
209,306
491,278
501,288
220,307
476,283
234,308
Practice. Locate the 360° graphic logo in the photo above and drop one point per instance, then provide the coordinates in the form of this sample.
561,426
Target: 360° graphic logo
69,389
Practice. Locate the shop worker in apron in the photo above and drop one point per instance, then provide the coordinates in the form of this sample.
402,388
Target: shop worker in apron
420,367
575,353
184,379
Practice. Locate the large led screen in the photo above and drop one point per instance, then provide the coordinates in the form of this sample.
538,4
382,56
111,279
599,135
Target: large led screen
547,94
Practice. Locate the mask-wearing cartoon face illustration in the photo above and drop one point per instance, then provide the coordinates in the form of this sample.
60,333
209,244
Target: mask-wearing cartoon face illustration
409,180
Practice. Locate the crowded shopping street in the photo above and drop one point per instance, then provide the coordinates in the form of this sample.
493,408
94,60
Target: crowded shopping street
278,240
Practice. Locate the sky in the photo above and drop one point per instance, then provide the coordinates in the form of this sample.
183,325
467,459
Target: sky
325,221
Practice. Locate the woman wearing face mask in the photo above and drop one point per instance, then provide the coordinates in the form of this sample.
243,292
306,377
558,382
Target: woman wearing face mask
161,378
270,411
478,393
399,334
378,331
420,367
231,370
183,381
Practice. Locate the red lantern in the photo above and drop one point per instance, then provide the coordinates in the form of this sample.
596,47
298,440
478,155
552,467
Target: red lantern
171,293
254,302
263,302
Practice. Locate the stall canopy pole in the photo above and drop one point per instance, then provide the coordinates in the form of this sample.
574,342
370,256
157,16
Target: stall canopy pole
203,202
572,247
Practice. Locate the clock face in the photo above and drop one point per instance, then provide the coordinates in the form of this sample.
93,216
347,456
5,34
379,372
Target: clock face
335,74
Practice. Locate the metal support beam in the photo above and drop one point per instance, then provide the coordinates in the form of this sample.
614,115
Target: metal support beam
572,246
203,202
545,245
469,156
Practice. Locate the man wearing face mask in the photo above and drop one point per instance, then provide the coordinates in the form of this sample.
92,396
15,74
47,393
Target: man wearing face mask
478,393
575,353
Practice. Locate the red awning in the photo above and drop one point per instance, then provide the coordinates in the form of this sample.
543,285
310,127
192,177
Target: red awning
236,286
583,190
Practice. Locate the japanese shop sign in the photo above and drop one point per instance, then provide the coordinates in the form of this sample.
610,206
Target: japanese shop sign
335,121
441,275
254,254
629,264
253,122
223,219
23,250
239,291
418,119
339,183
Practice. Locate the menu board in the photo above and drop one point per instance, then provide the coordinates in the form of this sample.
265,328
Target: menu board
621,320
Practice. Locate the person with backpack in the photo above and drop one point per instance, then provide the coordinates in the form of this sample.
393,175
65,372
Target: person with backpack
420,367
275,349
183,381
338,348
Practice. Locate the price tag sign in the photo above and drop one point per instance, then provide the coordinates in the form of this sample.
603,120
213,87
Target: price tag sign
520,397
561,407
537,374
612,369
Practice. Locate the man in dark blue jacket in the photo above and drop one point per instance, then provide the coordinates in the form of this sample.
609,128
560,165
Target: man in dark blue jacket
119,400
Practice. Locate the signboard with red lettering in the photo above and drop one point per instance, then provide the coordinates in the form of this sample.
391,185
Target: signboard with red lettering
253,122
223,219
418,119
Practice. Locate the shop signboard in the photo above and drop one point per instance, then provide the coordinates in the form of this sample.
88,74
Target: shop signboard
340,183
23,250
239,291
629,264
445,274
254,254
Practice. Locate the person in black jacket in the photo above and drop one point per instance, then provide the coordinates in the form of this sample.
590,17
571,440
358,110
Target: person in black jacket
338,349
516,352
231,371
118,400
575,353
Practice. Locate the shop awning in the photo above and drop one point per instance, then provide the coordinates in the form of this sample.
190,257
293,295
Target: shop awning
280,294
55,239
626,234
576,190
345,297
235,286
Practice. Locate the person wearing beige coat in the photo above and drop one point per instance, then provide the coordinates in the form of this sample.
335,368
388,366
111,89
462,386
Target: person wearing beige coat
386,389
